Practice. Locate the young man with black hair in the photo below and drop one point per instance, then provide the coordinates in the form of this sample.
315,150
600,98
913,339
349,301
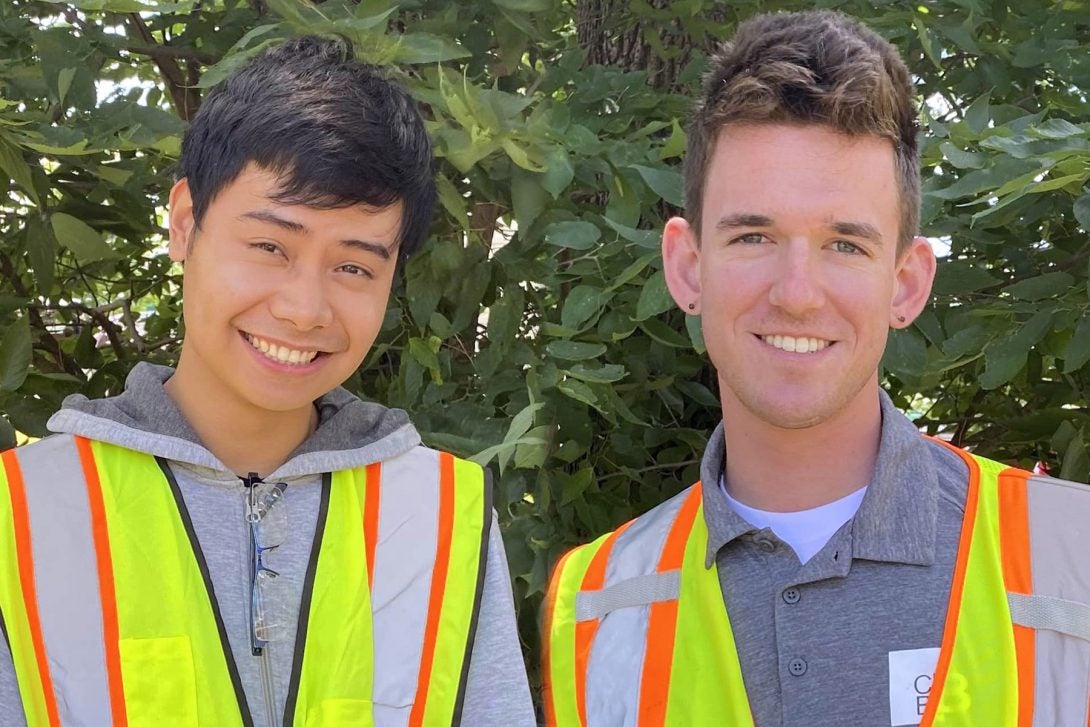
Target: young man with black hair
832,567
239,541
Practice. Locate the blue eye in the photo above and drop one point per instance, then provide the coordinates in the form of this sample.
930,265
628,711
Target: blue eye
750,238
848,247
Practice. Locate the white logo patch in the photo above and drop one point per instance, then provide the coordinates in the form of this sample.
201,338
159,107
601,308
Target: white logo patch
910,676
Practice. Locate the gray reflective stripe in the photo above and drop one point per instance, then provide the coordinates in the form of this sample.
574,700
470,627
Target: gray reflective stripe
1055,614
638,591
66,573
408,534
615,665
1059,528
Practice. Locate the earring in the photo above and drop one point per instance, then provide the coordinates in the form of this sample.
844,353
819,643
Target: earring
901,319
692,306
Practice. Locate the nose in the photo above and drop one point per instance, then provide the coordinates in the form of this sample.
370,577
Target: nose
797,288
302,301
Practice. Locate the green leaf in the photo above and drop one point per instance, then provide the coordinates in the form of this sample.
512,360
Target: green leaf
13,164
528,197
559,171
579,391
418,48
654,298
7,434
905,354
583,303
675,144
1077,352
1040,287
978,114
1076,461
575,350
1003,359
576,235
79,237
42,253
644,238
425,354
573,486
960,158
960,277
524,6
696,334
15,355
1082,211
666,183
605,374
1057,129
453,202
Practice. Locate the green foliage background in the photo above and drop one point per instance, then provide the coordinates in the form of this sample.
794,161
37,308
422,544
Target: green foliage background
557,357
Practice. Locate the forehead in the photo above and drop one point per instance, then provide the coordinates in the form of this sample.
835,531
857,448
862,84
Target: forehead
792,170
252,198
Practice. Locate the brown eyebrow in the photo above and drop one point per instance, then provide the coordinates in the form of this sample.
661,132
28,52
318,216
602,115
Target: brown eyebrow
298,228
743,219
862,230
274,219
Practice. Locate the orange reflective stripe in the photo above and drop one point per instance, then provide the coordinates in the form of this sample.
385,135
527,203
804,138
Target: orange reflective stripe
957,586
370,517
1014,539
438,584
101,535
662,621
25,558
593,580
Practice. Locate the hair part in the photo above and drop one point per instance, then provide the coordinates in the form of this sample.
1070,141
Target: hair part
335,130
813,67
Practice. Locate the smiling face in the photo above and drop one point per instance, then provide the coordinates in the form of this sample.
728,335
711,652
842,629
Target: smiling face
796,272
281,302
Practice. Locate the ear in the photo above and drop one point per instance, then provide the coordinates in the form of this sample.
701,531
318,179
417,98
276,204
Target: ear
912,285
182,223
681,264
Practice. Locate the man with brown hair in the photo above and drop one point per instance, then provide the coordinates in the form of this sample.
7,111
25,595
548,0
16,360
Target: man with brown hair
870,576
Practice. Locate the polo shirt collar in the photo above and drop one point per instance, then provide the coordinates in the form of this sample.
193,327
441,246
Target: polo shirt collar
896,521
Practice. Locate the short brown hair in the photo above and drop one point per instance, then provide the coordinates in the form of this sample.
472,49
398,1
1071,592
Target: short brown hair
812,67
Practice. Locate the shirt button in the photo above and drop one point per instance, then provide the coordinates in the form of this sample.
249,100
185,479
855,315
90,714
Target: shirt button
792,595
797,667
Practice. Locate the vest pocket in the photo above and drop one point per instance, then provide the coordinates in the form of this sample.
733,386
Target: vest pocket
341,713
160,683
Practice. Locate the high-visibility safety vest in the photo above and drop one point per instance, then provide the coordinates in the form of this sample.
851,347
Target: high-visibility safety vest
111,617
636,634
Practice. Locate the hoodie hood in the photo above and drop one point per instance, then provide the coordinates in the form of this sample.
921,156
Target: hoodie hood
351,432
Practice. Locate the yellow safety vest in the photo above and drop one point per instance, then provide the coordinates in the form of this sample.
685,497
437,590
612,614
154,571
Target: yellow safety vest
111,617
1015,649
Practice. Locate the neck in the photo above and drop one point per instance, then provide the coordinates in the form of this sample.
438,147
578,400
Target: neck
788,470
244,437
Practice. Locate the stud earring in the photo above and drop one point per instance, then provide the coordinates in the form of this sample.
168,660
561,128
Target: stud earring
901,319
692,306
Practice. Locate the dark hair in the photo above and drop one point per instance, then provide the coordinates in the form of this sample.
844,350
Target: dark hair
812,67
337,131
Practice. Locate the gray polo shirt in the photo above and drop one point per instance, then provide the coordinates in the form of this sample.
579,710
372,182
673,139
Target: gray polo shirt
815,640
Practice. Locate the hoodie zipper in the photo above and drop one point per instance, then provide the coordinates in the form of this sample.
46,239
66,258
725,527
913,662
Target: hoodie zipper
261,653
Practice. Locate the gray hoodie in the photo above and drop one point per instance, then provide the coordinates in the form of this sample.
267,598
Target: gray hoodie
351,433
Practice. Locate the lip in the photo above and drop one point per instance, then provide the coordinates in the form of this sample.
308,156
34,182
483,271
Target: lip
284,368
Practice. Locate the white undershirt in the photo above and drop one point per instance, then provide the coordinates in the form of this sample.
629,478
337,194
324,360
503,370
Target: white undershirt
806,531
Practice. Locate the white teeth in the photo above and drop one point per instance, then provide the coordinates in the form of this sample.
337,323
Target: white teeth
281,354
796,345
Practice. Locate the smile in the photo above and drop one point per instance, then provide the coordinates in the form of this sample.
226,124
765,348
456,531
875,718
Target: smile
280,354
795,344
